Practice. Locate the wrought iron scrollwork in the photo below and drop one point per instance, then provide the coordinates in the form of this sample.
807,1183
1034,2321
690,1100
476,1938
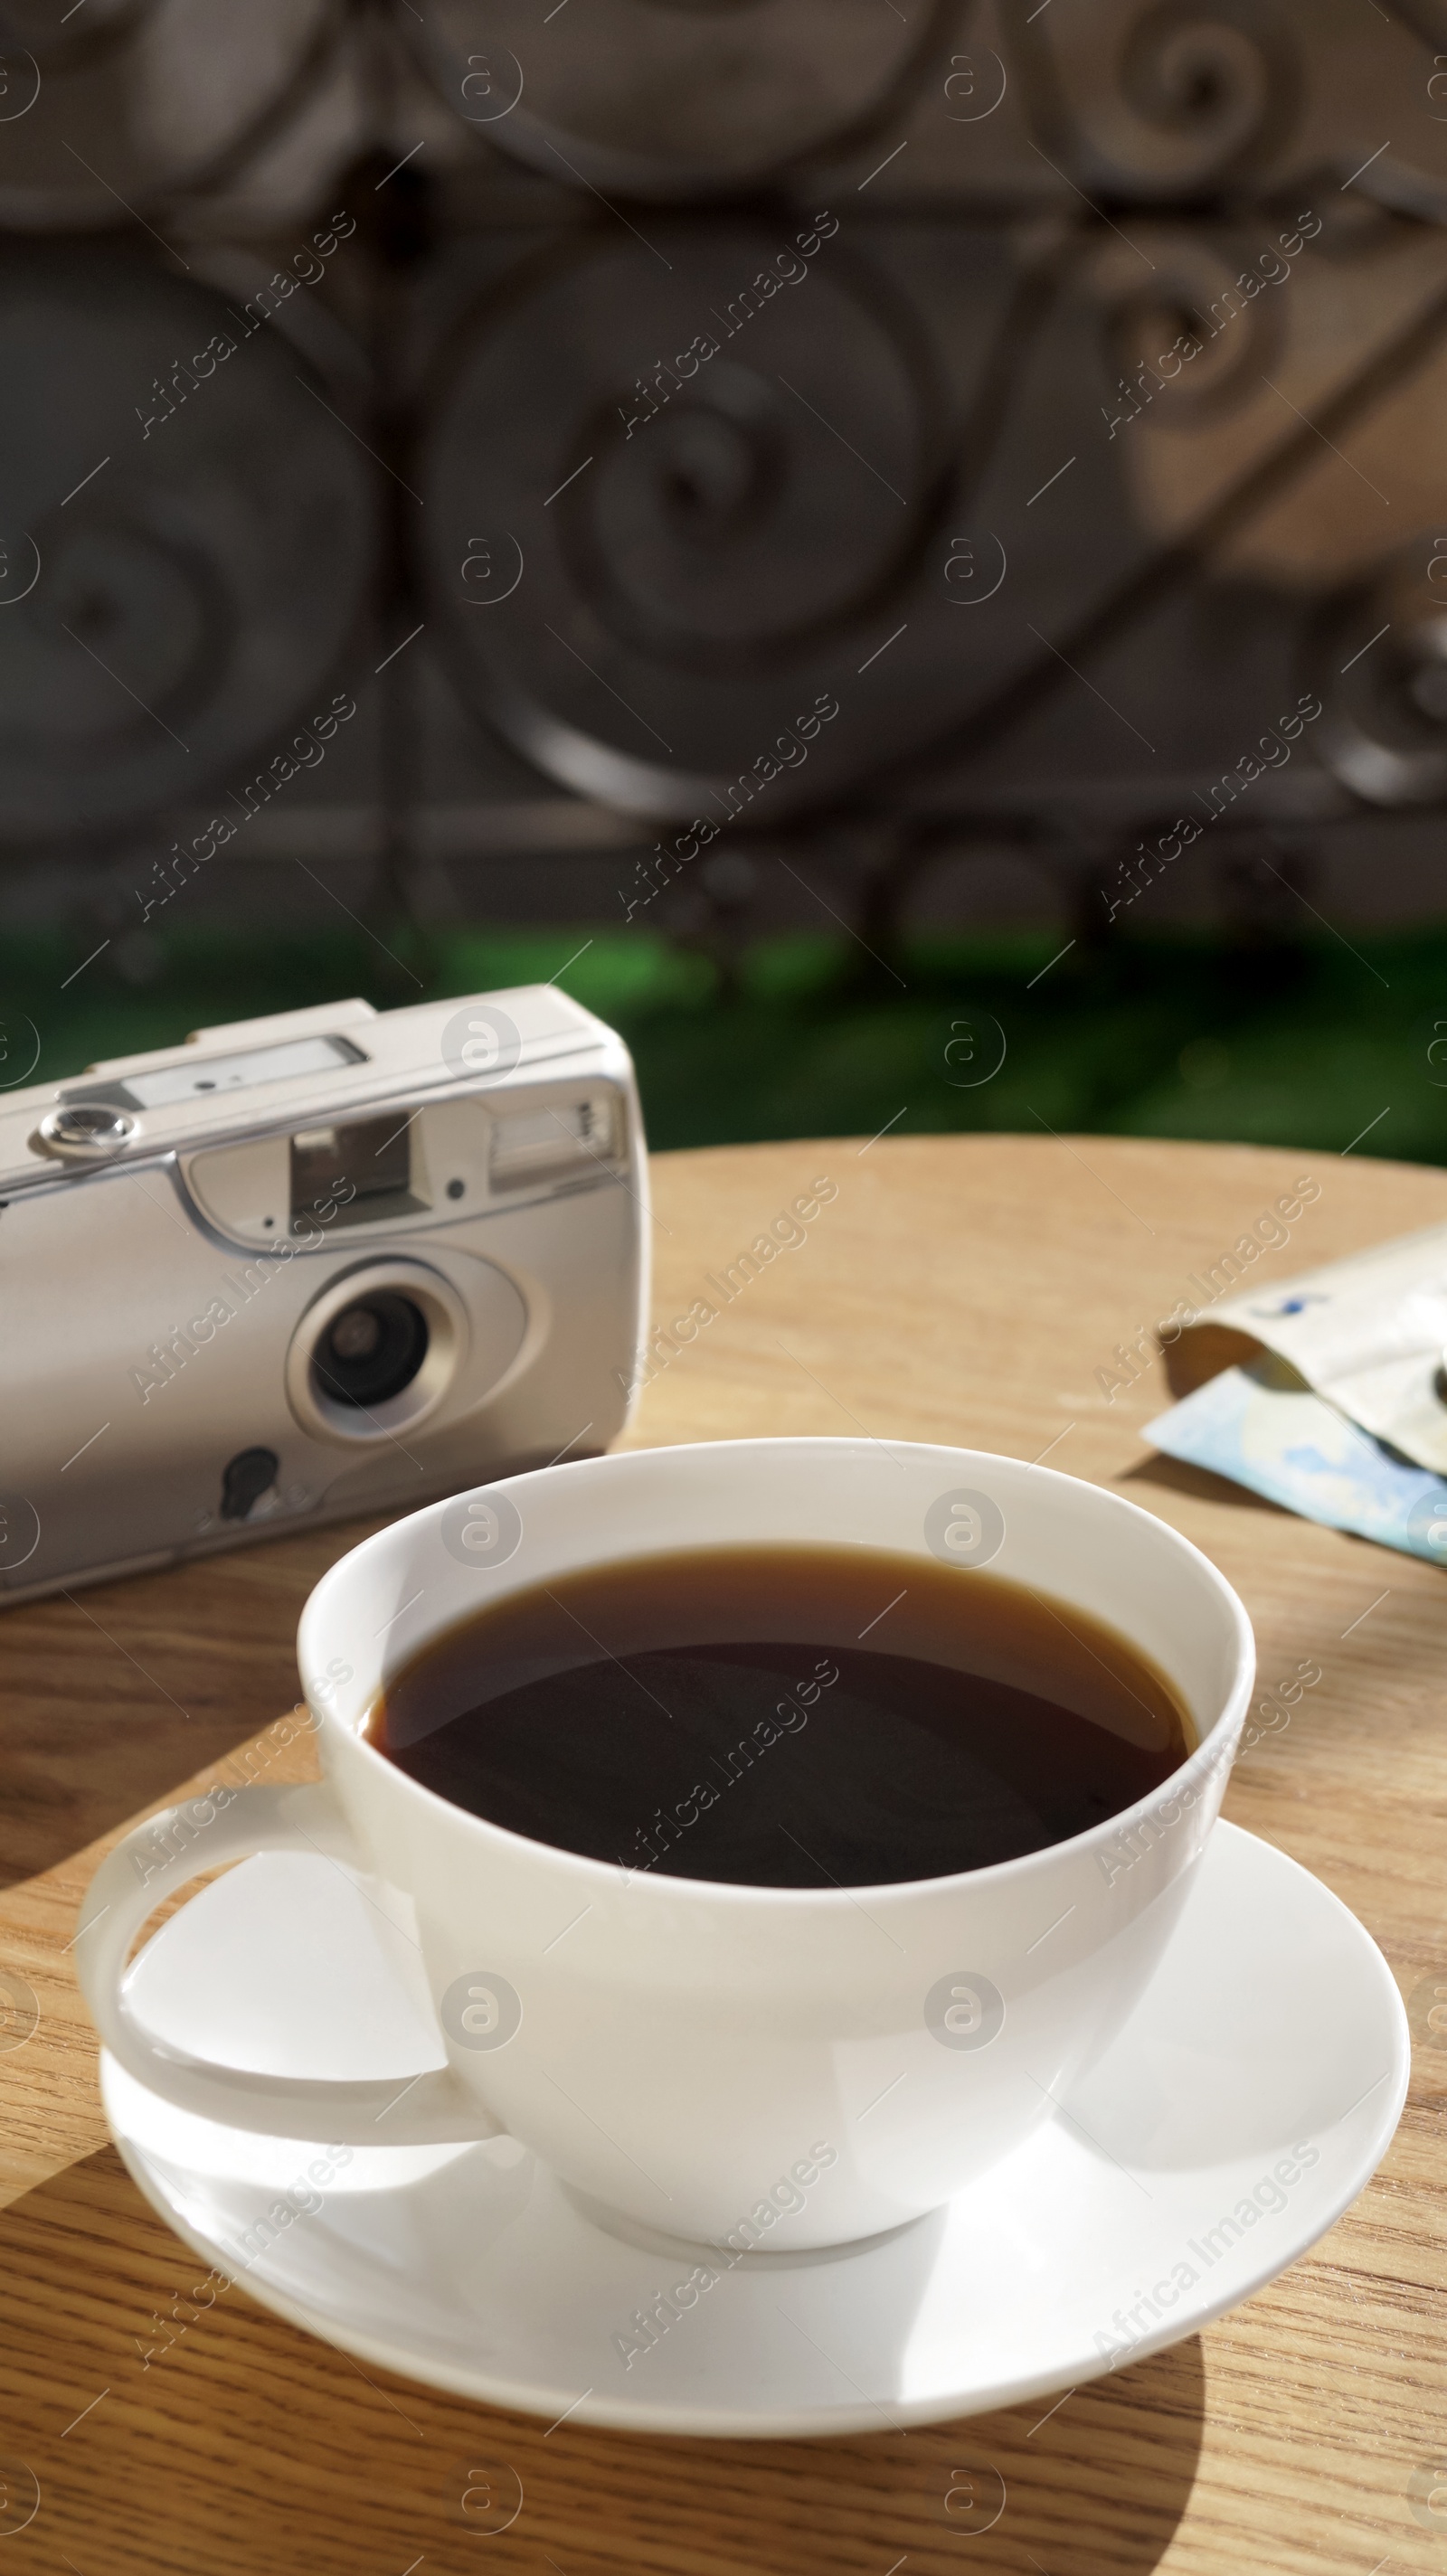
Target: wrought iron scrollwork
1053,394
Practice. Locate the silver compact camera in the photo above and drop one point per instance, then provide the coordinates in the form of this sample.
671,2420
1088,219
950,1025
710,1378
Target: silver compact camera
331,1262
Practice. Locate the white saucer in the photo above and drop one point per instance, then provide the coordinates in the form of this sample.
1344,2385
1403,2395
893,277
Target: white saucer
1273,2027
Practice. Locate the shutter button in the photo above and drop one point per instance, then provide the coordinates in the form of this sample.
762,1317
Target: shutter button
88,1131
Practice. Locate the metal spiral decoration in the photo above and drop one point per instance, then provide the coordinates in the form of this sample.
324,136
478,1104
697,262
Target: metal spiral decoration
922,427
190,541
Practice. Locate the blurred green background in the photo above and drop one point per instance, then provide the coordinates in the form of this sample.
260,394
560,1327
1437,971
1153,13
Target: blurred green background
1308,1044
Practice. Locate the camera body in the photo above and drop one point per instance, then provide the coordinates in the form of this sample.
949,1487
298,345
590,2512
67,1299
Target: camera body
331,1262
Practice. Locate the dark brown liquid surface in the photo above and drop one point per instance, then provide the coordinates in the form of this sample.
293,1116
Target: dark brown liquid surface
785,1717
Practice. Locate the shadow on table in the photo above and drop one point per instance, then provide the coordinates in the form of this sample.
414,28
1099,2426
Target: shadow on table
168,2423
112,1697
1201,1483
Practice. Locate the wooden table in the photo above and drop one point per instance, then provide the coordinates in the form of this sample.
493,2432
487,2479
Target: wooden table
961,1289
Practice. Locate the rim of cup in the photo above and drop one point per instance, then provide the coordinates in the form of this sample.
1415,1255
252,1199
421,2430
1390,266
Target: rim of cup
1215,1749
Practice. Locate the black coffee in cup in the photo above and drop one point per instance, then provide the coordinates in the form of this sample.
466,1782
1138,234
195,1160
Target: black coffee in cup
785,1717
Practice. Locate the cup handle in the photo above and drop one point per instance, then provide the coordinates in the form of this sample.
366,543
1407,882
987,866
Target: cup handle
139,1874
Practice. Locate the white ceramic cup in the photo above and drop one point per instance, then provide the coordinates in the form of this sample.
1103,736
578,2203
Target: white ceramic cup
772,2067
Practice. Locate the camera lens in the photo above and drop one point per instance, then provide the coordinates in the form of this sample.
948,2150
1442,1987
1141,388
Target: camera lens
372,1349
356,1334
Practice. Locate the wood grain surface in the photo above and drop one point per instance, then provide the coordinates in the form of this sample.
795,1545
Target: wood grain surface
961,1289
